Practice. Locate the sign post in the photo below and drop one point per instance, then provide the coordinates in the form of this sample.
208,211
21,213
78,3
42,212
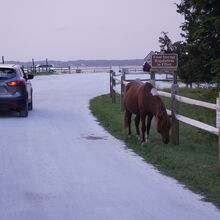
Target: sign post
218,112
218,126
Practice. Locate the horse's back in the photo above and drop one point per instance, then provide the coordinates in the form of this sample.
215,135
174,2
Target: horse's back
136,95
133,86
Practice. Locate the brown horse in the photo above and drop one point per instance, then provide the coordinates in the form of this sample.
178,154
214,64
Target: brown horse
142,100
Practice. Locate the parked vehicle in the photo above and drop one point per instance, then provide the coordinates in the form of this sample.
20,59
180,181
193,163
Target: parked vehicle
146,67
45,68
16,92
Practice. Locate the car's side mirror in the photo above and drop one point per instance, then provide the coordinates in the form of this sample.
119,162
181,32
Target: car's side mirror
30,76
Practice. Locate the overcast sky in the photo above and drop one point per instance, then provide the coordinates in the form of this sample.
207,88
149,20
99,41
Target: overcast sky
85,29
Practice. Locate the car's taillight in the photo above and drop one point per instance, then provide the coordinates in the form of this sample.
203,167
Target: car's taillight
16,83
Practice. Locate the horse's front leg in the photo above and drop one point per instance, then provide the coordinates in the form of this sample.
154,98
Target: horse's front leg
143,127
137,121
149,119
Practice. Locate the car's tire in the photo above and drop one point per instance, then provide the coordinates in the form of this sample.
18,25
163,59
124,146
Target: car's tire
24,112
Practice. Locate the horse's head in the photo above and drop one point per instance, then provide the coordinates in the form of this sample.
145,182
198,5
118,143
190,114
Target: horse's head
163,126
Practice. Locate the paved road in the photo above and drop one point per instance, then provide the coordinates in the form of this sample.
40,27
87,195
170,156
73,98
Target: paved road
59,164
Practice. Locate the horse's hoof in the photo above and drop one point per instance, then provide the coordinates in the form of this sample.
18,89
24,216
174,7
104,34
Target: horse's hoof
138,137
142,144
147,141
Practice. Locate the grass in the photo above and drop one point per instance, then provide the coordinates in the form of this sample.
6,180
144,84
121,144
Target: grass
193,162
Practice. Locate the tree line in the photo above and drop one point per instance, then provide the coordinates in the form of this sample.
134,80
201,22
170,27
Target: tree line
199,52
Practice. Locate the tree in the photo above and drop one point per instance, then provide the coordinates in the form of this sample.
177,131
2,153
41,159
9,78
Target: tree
199,54
166,45
180,48
202,33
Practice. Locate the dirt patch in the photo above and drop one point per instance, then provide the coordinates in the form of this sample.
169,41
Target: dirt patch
93,137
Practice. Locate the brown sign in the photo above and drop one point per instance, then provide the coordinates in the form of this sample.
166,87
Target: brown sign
167,62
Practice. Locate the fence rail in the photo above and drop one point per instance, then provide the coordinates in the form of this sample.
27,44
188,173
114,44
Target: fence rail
69,69
198,124
174,112
195,102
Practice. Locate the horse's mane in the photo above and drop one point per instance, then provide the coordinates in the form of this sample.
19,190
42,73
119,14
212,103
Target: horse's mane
163,120
160,108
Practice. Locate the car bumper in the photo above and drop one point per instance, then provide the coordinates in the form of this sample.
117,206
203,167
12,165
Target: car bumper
12,103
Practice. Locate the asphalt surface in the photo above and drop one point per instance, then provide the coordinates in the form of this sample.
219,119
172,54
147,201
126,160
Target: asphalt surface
60,164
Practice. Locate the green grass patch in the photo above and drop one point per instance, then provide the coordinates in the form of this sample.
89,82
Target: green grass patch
193,162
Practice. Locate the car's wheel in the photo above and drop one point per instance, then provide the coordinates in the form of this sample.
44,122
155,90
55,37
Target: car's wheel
30,105
24,112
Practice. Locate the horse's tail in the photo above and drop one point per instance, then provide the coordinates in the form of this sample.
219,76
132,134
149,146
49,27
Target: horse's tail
126,117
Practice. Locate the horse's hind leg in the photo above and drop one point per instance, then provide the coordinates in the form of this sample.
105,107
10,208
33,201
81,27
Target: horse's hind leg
149,119
143,127
137,121
127,121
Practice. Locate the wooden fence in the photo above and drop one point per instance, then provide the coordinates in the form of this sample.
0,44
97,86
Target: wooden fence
68,70
175,99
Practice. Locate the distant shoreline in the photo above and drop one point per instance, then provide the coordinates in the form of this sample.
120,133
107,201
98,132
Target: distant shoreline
84,63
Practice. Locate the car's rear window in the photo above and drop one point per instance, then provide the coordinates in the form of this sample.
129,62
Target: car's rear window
7,73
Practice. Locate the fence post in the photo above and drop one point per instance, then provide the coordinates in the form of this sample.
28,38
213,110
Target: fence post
152,78
122,90
46,65
3,60
174,111
218,126
113,90
33,66
110,78
219,150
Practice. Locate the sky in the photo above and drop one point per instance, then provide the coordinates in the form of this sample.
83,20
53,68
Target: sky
85,29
